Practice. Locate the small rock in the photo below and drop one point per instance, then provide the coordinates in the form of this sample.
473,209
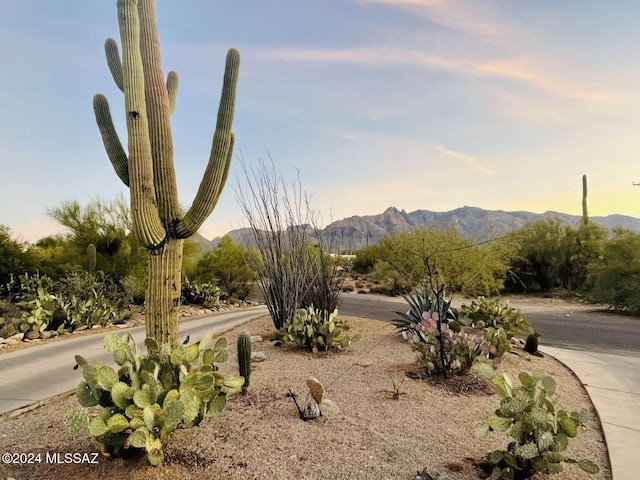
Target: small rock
31,335
46,334
256,338
55,333
17,336
96,327
2,340
236,304
258,357
428,474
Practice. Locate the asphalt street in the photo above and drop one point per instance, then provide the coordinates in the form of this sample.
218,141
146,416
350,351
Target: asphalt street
565,327
42,371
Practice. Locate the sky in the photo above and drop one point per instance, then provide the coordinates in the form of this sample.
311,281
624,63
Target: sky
417,104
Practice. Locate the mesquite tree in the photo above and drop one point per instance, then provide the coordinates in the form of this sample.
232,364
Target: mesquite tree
148,169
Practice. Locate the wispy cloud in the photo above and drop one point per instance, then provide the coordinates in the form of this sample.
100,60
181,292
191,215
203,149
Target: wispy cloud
470,160
521,71
469,18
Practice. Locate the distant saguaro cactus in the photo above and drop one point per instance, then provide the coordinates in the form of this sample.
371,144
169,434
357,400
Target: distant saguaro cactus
585,214
244,358
148,167
91,258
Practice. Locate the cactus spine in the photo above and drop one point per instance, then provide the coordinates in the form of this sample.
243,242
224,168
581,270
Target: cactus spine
91,258
244,358
585,214
147,169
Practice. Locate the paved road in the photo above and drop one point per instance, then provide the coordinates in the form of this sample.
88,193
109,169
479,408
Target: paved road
35,373
567,327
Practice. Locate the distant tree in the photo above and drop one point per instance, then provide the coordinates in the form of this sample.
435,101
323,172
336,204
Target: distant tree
365,259
57,256
615,275
228,266
107,225
412,259
16,257
552,254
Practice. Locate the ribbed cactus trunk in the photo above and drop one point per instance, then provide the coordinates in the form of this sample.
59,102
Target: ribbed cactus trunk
147,168
91,258
585,213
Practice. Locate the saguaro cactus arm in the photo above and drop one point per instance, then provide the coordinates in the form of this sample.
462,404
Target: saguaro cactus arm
110,139
146,221
217,169
172,90
113,61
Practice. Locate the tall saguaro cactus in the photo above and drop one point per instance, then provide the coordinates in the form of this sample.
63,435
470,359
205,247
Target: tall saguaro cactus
147,169
585,214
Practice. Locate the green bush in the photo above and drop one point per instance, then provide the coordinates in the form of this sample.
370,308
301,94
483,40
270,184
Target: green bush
228,266
315,329
151,395
134,289
541,432
615,276
88,299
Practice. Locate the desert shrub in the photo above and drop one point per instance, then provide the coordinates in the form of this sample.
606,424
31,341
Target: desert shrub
316,329
151,395
194,293
228,267
16,257
134,289
552,254
615,276
365,259
540,430
422,255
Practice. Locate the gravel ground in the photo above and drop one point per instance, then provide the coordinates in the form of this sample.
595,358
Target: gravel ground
260,436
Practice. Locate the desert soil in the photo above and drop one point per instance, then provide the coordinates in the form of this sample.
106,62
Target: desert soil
260,436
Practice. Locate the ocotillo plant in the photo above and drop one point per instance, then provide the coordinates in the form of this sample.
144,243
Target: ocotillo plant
244,358
148,168
585,214
91,258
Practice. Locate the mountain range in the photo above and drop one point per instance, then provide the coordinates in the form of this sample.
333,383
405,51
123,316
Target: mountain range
474,223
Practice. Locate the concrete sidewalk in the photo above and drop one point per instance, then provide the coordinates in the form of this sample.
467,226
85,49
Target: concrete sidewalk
613,383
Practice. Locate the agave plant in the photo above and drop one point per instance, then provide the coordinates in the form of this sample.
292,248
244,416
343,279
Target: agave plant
423,301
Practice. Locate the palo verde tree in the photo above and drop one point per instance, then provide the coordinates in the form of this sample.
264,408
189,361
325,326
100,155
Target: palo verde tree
148,168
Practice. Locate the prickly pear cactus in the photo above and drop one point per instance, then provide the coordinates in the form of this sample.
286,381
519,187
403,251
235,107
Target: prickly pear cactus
151,395
316,329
